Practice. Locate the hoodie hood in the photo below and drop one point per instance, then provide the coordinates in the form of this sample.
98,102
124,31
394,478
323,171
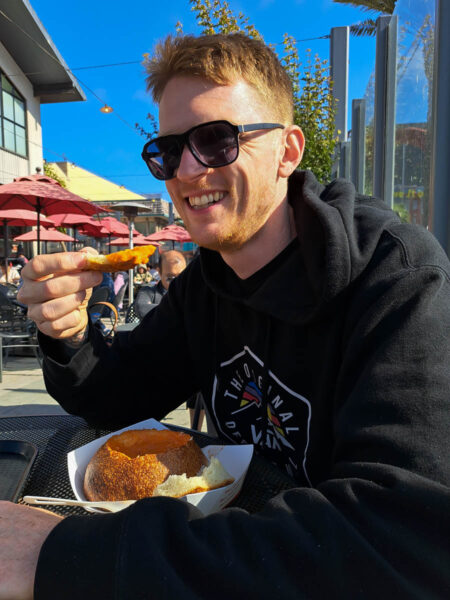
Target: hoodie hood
337,231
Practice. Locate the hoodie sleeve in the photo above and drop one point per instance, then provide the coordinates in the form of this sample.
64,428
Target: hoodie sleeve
98,380
377,527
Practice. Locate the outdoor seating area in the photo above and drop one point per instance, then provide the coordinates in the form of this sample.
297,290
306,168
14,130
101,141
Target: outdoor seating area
17,332
225,300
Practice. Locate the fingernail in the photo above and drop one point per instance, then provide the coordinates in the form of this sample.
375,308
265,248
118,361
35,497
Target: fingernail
79,259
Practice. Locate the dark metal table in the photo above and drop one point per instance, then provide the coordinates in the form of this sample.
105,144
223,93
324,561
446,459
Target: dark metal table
56,435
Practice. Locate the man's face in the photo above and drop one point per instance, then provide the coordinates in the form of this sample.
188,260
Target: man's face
247,188
170,269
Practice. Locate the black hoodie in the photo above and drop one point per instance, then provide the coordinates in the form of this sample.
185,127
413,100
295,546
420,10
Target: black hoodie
334,360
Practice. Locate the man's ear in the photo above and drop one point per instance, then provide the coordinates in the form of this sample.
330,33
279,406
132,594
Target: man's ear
294,145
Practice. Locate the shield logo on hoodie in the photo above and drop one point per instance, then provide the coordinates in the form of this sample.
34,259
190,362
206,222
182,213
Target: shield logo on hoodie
252,406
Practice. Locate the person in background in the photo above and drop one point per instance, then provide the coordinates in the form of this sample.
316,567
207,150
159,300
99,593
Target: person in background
9,274
20,258
315,323
155,274
120,281
107,282
170,265
142,275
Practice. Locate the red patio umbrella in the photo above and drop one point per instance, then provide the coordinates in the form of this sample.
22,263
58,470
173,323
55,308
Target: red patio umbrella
16,217
19,218
44,194
85,225
173,233
70,219
138,240
93,229
114,226
46,235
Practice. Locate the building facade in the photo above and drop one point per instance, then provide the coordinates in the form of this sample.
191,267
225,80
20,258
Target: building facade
32,72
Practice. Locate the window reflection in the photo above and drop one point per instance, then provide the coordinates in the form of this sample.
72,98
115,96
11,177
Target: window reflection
12,132
413,110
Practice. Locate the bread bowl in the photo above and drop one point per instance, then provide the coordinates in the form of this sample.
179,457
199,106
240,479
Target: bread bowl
132,464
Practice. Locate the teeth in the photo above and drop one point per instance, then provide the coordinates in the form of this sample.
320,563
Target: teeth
206,199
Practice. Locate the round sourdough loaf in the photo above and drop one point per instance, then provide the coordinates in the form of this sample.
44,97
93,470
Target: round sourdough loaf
130,465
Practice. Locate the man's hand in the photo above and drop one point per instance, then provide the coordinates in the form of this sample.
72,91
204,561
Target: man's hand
23,530
57,292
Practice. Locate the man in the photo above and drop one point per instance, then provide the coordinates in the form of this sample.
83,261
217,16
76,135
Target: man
316,325
170,265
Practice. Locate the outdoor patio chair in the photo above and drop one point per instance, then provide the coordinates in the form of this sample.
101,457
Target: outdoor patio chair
16,331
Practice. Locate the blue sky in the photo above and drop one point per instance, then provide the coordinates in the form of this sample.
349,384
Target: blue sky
89,33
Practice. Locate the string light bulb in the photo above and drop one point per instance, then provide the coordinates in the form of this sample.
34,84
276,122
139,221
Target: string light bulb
106,109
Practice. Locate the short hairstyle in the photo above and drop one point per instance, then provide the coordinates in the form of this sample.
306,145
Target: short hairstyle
174,255
222,59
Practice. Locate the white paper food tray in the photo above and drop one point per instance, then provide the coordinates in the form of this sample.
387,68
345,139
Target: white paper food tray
235,459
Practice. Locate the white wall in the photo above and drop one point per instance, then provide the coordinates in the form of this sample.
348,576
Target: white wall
12,165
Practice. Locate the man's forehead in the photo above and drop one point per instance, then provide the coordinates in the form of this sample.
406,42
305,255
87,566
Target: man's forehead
189,101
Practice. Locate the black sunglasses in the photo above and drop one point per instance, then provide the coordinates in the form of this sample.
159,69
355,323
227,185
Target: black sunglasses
213,144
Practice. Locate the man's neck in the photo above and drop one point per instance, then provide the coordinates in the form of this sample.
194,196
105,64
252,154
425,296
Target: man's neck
277,233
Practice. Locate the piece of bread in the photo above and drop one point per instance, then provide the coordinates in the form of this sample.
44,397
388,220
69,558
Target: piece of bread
119,261
132,464
211,477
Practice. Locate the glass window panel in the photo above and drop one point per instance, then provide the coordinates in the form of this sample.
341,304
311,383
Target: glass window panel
21,142
9,135
13,130
369,130
6,85
19,112
8,106
413,110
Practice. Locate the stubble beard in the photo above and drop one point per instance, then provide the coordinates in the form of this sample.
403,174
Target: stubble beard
242,228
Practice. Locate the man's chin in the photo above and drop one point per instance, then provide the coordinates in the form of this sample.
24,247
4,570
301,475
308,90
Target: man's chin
220,244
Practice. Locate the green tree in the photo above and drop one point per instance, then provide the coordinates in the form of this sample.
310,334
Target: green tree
314,109
368,26
50,171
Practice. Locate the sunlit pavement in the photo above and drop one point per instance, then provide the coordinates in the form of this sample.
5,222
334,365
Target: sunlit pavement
23,392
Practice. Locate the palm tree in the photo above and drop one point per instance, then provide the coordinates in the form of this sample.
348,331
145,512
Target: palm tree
368,26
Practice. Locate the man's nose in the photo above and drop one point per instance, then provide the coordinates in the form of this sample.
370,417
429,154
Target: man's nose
189,167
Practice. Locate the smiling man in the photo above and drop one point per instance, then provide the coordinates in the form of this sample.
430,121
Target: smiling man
315,324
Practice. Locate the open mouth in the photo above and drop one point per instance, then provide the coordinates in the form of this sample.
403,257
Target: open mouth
205,200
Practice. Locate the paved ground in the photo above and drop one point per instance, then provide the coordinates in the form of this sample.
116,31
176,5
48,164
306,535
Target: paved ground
22,392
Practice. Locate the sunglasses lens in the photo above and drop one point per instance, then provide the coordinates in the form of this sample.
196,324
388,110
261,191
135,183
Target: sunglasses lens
214,144
163,157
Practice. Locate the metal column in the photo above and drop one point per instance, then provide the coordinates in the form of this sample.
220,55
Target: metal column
345,160
440,127
384,116
339,42
358,144
339,75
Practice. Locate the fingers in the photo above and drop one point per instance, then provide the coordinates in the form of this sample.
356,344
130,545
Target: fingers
89,250
57,308
56,292
33,292
66,326
49,264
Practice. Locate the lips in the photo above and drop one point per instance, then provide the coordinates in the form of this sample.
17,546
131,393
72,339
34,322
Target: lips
204,200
